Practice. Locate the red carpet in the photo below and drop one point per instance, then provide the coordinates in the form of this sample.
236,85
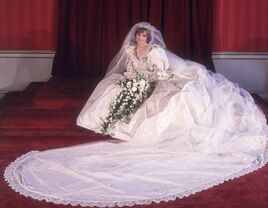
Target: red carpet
44,116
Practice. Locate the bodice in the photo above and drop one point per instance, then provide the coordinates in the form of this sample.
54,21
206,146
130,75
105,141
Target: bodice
153,64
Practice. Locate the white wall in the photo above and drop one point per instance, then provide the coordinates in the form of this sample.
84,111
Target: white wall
249,70
19,68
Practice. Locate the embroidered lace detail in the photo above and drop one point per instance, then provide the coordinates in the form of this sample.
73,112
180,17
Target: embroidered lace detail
14,183
132,57
160,74
153,72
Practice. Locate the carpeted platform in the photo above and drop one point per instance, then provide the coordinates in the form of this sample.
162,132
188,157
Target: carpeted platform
44,116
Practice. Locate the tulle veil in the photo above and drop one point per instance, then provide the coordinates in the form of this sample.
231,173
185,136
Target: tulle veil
117,65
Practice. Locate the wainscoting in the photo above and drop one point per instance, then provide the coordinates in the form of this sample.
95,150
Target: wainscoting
248,69
19,68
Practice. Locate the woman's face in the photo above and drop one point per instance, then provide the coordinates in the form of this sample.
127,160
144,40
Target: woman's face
141,38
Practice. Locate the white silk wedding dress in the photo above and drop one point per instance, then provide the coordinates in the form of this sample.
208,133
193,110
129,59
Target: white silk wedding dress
195,131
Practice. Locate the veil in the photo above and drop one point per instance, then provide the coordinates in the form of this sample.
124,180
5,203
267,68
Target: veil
117,64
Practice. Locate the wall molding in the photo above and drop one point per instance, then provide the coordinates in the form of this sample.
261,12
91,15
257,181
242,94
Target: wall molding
27,54
240,55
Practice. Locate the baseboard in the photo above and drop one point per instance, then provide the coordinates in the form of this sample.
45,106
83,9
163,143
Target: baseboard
240,55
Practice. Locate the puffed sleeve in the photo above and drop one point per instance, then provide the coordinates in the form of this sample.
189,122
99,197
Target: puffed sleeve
158,63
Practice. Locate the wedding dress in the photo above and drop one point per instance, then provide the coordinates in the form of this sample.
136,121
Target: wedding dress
196,130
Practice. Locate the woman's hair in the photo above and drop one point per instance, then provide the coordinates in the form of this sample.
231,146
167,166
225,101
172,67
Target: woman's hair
141,30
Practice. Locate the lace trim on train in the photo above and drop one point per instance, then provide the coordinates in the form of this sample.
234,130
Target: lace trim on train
14,184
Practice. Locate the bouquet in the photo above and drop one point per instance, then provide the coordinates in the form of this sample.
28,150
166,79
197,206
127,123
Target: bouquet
135,90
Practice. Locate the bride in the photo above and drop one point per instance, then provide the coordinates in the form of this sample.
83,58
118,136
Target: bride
195,130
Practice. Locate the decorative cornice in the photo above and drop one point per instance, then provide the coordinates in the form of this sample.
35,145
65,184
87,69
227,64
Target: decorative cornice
27,54
240,55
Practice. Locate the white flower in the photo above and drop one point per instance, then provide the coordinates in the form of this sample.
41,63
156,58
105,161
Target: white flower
142,83
128,84
141,88
134,89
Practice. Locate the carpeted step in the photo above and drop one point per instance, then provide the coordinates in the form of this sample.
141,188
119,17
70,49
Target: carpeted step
20,99
65,93
45,118
74,132
70,86
38,119
44,142
8,100
60,102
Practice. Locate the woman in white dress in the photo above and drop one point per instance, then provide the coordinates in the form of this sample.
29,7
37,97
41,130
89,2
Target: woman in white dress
196,130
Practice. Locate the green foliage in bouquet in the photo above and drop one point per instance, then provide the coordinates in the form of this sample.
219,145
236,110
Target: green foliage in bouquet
134,92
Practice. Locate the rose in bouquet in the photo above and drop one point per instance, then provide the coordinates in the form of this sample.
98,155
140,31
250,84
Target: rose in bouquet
134,91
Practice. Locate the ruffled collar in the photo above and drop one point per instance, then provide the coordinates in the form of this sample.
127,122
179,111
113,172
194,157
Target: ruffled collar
131,52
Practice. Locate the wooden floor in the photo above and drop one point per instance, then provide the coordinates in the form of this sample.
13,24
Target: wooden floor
43,117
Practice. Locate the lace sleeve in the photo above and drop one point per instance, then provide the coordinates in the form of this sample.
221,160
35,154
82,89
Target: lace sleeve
158,63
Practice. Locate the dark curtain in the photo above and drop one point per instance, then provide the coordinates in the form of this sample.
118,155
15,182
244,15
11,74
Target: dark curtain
90,32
